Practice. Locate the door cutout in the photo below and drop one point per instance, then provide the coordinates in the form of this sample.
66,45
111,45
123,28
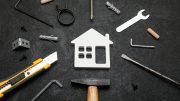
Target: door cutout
100,55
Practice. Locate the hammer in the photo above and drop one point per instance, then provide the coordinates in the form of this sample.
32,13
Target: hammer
92,84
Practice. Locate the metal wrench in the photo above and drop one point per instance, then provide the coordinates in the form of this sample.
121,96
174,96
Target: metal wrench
135,19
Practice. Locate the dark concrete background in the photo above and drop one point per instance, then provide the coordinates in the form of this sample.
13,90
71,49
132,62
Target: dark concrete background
128,82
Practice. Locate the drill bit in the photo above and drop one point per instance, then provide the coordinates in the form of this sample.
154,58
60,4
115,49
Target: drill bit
151,70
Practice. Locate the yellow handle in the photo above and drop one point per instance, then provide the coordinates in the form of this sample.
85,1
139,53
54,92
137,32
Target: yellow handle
5,81
1,95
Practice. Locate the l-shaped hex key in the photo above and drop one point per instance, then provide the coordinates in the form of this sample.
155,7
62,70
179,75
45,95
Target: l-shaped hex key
46,87
21,11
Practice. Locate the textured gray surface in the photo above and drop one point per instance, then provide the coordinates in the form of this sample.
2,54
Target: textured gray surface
165,58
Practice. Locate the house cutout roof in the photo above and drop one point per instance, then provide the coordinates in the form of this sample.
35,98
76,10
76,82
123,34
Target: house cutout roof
92,37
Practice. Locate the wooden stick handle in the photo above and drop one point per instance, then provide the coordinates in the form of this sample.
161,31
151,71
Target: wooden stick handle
153,33
45,1
92,93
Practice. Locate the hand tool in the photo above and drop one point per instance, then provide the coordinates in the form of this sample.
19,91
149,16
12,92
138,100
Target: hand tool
20,42
50,38
38,66
91,9
92,84
112,7
140,46
46,87
21,11
132,21
64,11
151,70
153,33
46,1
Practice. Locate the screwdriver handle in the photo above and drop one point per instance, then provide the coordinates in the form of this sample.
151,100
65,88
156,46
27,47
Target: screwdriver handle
92,93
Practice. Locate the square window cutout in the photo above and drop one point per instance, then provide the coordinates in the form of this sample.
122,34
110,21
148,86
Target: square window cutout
88,56
81,48
81,56
89,49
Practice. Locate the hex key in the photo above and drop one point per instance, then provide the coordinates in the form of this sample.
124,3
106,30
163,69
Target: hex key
21,11
46,87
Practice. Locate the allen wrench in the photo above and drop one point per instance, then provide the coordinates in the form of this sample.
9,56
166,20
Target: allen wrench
33,17
151,71
140,46
46,87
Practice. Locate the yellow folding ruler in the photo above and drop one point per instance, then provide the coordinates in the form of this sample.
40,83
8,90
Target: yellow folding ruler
19,78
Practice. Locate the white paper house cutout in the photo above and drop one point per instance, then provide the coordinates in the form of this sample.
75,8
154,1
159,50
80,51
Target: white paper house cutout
86,44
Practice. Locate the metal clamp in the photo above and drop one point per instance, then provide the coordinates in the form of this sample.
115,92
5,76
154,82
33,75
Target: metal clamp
46,87
63,11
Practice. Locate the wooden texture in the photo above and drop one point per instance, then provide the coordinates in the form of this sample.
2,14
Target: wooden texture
92,93
153,33
45,1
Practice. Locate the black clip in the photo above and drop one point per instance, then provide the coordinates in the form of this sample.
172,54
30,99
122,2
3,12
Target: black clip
63,11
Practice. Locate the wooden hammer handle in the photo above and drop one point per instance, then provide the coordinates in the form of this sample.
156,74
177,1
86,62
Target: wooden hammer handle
92,93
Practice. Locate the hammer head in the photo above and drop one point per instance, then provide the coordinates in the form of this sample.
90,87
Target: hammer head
92,82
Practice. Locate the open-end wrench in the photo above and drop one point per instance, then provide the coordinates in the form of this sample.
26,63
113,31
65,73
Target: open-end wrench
135,19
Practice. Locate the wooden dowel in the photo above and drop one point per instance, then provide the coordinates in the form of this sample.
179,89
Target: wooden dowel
153,33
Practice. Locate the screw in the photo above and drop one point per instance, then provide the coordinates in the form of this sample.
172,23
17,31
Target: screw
112,7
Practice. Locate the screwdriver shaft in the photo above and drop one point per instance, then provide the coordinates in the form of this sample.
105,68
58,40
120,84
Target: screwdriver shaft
150,70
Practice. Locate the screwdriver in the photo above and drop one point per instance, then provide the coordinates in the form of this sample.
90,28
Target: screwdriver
150,70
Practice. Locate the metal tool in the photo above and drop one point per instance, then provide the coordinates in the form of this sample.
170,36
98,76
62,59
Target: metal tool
91,9
38,66
112,7
92,84
21,11
132,21
64,11
20,42
50,38
46,87
151,70
140,46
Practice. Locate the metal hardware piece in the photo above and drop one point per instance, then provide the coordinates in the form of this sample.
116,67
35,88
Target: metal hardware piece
46,87
65,11
91,9
132,21
140,46
112,7
20,43
50,38
151,70
21,11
